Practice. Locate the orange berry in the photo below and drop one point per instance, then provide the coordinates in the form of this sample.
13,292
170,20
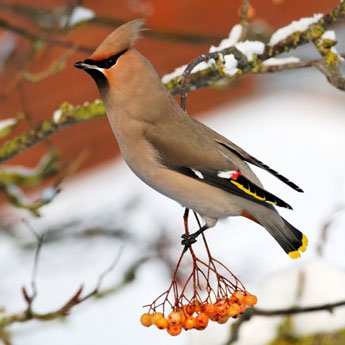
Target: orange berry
156,316
189,323
162,323
221,309
250,299
234,310
182,316
146,319
188,309
243,308
174,318
201,321
223,318
174,329
197,305
209,309
213,317
238,297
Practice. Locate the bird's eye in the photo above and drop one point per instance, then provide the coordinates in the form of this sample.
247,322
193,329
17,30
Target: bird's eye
108,62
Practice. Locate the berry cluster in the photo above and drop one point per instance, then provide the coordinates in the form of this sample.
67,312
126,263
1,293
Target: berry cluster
196,315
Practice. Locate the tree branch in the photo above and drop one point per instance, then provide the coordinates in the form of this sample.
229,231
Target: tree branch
64,117
39,39
77,298
192,81
36,14
251,312
244,19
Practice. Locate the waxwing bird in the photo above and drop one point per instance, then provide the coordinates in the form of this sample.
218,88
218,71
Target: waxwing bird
175,154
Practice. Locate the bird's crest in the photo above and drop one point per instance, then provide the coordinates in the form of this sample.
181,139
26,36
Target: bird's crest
121,39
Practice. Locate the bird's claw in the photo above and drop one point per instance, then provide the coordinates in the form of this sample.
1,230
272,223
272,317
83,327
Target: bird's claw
188,240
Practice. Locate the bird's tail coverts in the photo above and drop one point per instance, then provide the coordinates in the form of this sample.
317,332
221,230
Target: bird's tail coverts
289,238
301,243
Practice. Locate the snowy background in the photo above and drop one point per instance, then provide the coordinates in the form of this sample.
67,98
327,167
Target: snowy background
296,125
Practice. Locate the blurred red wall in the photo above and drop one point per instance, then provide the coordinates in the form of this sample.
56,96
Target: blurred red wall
209,18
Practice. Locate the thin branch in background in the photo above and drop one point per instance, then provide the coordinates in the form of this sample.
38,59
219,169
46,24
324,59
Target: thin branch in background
103,275
77,298
57,65
39,39
333,74
64,117
301,278
244,19
28,114
36,14
39,239
188,81
326,228
128,277
250,313
242,63
190,38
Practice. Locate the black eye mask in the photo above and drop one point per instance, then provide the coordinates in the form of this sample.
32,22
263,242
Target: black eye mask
106,63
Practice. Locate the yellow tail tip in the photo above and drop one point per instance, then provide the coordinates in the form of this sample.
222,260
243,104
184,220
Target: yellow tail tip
296,253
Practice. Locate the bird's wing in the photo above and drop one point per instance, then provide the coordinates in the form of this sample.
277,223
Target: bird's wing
234,182
192,152
242,154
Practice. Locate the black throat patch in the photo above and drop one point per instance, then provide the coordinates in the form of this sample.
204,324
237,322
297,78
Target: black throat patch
98,76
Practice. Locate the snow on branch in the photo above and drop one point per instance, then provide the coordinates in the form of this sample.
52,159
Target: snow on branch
231,59
296,26
257,53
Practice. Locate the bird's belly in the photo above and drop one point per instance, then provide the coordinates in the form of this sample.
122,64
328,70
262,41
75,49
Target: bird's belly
203,198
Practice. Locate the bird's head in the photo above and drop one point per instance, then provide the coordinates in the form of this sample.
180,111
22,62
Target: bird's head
102,62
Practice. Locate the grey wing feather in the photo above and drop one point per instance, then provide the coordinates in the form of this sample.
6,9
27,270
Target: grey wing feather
236,150
189,147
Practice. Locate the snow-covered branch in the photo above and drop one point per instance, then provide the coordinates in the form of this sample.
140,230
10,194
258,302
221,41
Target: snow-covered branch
233,58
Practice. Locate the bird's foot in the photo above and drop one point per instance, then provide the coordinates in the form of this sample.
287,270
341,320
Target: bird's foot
189,239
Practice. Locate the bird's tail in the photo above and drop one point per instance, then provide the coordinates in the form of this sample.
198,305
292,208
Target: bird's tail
290,239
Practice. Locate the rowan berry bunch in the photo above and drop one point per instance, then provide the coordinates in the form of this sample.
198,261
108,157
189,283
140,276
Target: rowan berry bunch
211,292
196,315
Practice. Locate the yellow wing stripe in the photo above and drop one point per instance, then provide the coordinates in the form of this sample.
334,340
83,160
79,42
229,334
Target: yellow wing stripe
296,253
247,191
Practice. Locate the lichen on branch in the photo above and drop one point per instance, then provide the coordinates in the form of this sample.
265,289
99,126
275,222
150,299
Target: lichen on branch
248,58
66,116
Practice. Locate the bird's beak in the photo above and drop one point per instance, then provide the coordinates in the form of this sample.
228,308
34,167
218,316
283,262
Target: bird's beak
82,65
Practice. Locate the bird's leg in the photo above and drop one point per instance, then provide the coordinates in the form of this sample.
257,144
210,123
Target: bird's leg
189,239
185,221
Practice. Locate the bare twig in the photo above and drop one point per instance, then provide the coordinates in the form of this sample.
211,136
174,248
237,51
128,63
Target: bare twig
39,238
51,18
333,74
190,38
58,65
313,33
240,57
251,312
244,19
69,115
37,39
102,276
209,76
77,298
326,227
